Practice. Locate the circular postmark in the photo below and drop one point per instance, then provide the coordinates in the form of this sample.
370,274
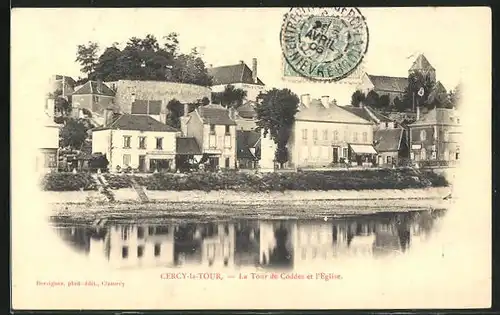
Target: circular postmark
324,44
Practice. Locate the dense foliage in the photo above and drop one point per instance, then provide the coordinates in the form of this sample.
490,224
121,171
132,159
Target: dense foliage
143,59
276,116
238,181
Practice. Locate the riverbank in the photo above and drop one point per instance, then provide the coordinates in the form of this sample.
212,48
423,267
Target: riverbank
224,204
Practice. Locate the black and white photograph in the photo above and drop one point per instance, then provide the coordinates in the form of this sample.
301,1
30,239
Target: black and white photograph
251,158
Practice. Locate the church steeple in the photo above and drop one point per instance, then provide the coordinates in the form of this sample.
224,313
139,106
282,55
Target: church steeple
423,66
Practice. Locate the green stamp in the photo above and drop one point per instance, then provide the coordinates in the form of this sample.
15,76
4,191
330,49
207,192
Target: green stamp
323,44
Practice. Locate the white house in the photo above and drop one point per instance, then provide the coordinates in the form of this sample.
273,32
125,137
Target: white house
324,133
215,133
138,141
48,139
240,76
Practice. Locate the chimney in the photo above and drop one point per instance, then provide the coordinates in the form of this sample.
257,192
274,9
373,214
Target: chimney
254,70
325,100
334,102
305,99
186,109
242,62
108,116
232,113
418,112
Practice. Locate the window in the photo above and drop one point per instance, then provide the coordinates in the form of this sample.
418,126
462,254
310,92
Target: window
126,142
95,99
365,137
458,120
315,134
445,135
423,154
125,252
126,160
355,136
423,135
212,128
304,134
157,250
140,251
227,130
227,163
227,141
142,142
212,141
124,233
50,160
335,136
457,154
345,152
389,160
140,232
434,155
325,134
159,143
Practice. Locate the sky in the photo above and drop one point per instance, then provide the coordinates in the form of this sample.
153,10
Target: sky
227,35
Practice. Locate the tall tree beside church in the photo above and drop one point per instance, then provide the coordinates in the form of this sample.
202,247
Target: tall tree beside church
416,81
276,116
455,96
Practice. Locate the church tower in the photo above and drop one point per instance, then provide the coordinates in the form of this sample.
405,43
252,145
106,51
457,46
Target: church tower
423,66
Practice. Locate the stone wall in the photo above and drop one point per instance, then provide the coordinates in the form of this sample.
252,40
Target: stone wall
155,90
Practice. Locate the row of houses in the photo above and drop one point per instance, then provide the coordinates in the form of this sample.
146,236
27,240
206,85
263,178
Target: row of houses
133,133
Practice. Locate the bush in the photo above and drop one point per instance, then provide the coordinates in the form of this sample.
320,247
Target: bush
301,181
68,182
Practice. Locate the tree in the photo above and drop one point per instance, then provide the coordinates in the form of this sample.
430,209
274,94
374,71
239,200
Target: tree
231,96
73,133
416,81
86,56
146,59
276,116
455,95
383,101
175,111
357,98
372,99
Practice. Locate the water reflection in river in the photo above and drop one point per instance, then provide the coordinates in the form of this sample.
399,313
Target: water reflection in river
242,242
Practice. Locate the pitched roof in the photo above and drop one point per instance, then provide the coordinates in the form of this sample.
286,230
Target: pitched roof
94,88
437,116
421,63
388,139
317,112
137,122
390,84
214,114
239,73
245,140
247,110
366,113
438,94
187,146
67,79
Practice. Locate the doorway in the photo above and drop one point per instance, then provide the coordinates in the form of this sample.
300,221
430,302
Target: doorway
142,163
335,154
214,163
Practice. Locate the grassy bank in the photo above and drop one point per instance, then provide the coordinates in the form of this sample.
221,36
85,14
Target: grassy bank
235,181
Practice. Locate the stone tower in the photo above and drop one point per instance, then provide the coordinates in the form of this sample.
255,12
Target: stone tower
423,66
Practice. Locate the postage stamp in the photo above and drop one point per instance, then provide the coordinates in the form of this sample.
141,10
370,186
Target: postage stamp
323,44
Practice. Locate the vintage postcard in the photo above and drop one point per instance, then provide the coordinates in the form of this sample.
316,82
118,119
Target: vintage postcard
251,158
